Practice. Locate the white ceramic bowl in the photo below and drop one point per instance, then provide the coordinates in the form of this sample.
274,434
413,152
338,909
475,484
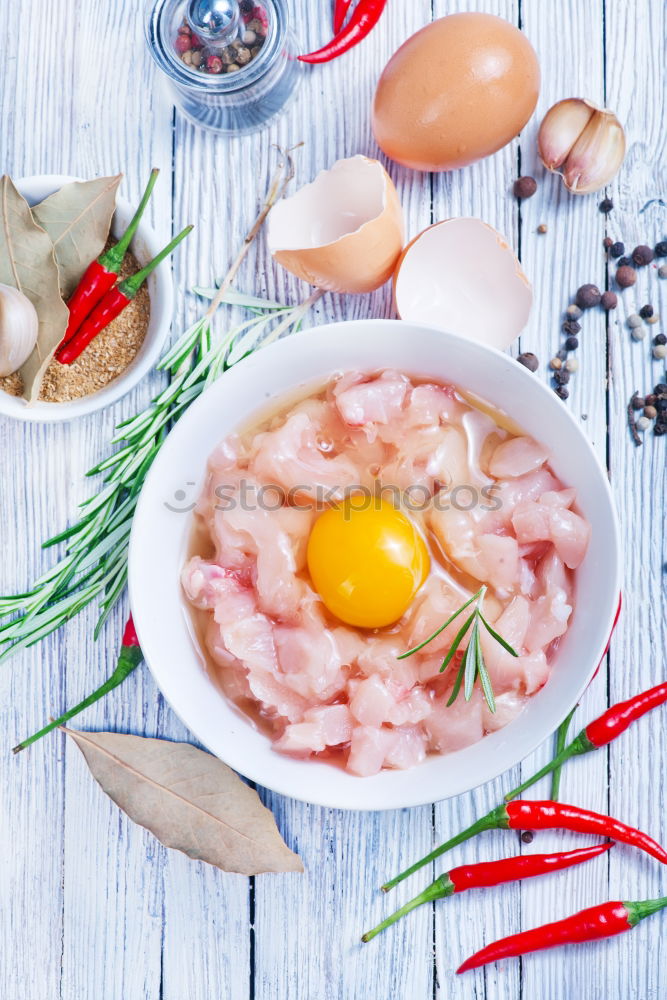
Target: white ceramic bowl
145,246
159,539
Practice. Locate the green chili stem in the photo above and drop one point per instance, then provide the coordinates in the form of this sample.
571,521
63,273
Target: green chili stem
561,742
494,820
645,908
131,285
113,257
579,745
443,886
130,657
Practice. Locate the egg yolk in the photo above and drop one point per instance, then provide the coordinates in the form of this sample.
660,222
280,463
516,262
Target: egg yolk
366,561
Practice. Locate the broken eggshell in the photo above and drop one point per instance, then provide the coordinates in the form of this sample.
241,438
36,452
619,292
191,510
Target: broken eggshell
344,231
461,275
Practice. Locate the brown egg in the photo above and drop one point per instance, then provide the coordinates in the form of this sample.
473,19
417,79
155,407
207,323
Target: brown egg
456,91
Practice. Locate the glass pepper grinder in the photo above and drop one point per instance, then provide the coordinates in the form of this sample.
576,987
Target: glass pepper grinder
231,63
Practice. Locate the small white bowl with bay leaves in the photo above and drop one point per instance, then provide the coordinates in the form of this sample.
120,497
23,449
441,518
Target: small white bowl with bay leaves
161,543
145,245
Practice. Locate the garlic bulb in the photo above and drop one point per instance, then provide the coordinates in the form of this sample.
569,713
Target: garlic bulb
19,326
583,143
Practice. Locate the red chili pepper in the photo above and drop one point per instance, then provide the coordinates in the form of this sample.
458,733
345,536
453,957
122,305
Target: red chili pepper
130,656
101,275
593,924
341,9
488,874
366,15
602,731
111,306
546,815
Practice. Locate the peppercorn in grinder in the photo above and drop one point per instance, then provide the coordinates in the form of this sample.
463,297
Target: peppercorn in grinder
231,63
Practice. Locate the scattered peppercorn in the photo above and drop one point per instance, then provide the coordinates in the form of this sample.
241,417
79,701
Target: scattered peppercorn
626,276
638,333
555,364
529,361
662,271
588,296
661,404
574,312
527,837
572,365
661,249
571,327
661,388
643,424
562,392
609,301
650,412
607,243
652,320
624,262
638,402
542,229
660,429
650,399
606,205
642,255
562,354
525,187
660,352
562,377
646,311
617,250
571,344
634,320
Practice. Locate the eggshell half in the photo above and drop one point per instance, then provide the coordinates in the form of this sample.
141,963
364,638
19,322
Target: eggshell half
344,232
462,276
456,91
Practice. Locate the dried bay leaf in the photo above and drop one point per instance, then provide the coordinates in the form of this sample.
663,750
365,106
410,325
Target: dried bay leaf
78,219
27,262
189,800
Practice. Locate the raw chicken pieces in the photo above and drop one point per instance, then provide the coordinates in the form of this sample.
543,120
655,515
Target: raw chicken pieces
491,511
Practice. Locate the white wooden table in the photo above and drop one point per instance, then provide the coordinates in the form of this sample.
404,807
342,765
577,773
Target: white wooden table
92,906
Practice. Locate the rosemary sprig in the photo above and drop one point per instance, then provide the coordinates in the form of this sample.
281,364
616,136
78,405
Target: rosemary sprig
93,565
472,666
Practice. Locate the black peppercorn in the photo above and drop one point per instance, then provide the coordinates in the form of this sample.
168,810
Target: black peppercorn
661,248
529,361
660,339
247,6
561,355
571,327
661,388
606,205
642,255
609,301
562,392
525,187
527,837
626,276
624,262
571,344
617,250
587,296
661,404
660,429
646,311
561,377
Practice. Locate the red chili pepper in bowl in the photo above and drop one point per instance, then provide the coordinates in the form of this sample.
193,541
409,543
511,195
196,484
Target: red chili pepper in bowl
489,874
593,924
100,276
341,9
602,731
545,815
366,15
112,305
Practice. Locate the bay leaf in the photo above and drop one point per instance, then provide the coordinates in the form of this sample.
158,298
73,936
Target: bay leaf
189,800
78,219
27,262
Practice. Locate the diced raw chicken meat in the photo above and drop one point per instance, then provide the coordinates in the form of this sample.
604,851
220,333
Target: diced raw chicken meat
368,749
321,687
516,457
374,402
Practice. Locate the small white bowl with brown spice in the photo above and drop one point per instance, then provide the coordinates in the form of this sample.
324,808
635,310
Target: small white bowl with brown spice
123,353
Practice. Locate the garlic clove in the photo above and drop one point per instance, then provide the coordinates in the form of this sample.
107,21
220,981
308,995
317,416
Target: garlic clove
19,327
583,143
597,155
563,124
